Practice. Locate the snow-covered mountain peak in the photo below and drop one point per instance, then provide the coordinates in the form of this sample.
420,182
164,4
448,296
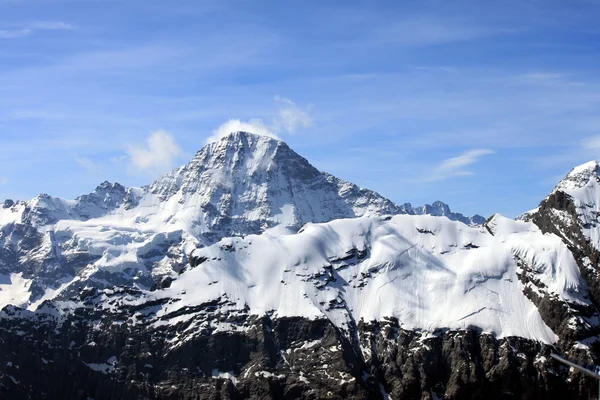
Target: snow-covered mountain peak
246,183
236,158
582,187
581,177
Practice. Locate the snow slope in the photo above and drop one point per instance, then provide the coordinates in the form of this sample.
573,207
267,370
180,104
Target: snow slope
583,185
242,184
233,213
427,272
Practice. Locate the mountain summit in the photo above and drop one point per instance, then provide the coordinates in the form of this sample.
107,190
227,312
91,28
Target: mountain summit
246,183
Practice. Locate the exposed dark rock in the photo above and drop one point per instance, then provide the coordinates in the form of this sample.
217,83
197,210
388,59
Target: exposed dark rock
106,356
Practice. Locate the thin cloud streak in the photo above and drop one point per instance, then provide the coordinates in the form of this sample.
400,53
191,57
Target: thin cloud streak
423,31
32,28
51,26
456,166
591,143
14,33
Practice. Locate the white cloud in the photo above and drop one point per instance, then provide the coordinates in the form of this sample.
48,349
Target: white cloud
3,180
455,166
255,126
289,119
51,26
157,155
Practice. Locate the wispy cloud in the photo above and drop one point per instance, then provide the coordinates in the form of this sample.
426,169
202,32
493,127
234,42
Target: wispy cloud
426,31
88,165
14,33
157,155
288,119
456,166
51,26
591,143
30,29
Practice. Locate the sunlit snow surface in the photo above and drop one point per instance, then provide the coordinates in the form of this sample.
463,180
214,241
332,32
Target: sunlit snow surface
242,184
14,289
428,272
583,185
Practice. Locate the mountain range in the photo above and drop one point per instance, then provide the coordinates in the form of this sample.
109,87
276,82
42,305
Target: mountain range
248,273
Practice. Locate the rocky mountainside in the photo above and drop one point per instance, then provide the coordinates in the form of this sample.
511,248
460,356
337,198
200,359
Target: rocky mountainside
571,212
249,274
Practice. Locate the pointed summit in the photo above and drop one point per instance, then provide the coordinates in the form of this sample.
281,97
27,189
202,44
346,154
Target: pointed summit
572,210
245,183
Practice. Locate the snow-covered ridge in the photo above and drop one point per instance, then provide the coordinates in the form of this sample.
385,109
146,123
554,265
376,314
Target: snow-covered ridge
46,210
427,272
582,183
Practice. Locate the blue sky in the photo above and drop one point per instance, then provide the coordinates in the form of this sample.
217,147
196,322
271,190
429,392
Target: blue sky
484,105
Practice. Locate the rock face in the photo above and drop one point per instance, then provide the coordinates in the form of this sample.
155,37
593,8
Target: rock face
96,355
570,212
248,273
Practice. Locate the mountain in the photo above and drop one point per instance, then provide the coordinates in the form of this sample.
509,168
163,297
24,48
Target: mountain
242,184
276,280
576,200
355,307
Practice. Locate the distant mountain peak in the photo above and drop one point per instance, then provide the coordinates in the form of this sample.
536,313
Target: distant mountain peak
440,209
